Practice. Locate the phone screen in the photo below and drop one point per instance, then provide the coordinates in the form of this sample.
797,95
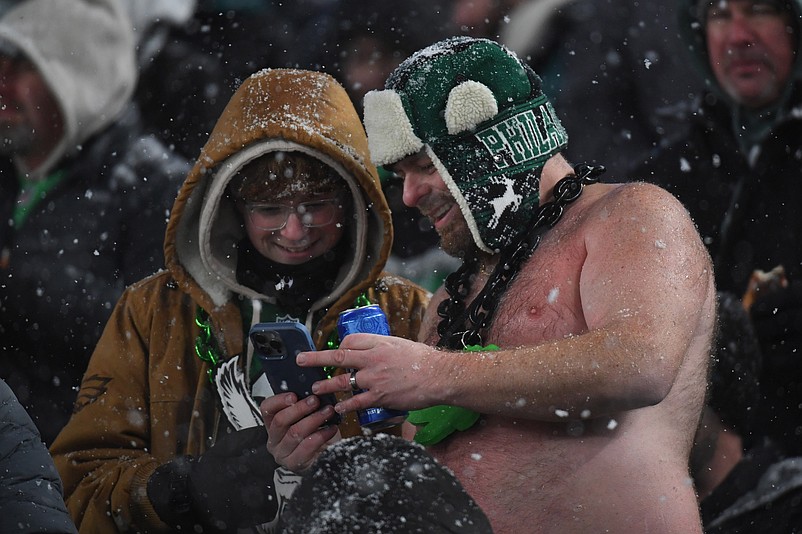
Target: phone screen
277,345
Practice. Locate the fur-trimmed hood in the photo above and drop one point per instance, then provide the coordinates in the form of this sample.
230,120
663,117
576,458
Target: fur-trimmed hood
275,110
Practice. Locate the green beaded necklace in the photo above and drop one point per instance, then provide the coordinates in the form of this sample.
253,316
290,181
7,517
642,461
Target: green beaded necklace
205,344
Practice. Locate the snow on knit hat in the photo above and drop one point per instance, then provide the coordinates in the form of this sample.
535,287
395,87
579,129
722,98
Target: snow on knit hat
481,115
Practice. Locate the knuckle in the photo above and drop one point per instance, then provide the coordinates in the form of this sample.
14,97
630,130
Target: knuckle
295,434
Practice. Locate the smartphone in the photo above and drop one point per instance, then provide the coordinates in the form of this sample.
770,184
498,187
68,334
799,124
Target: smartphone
276,345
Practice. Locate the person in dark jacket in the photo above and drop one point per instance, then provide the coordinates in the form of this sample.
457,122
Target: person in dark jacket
30,487
85,197
737,167
742,488
181,88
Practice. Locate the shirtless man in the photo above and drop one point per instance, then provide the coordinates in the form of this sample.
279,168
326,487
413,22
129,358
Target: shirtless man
585,416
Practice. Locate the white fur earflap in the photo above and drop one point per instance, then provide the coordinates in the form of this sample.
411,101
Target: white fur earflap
391,137
469,104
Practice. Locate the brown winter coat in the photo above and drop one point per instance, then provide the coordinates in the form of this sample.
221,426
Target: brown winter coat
146,397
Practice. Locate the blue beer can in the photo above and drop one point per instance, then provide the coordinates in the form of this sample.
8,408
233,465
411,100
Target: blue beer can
369,320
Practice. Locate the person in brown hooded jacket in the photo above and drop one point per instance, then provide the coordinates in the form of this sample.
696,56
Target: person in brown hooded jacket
166,432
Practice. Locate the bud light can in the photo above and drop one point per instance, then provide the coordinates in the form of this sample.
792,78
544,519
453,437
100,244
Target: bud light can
369,320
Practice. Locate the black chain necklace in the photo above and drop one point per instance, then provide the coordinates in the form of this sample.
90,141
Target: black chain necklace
459,327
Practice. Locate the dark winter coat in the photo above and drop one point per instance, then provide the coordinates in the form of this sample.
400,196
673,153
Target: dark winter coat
747,210
381,484
30,487
98,226
99,230
146,398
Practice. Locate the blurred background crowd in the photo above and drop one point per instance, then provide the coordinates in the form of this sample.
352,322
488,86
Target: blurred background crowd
608,66
620,77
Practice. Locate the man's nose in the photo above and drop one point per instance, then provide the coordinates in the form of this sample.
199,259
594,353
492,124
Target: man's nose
741,30
415,188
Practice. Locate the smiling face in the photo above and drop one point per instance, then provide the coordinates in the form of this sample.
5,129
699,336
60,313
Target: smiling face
751,49
275,186
425,190
295,243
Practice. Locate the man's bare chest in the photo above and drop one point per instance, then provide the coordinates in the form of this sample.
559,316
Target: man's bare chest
541,301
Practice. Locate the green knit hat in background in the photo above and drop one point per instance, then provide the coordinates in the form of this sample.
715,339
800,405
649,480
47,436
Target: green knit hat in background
482,117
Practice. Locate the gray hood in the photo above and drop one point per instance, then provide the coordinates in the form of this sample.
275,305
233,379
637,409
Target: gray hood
147,13
84,50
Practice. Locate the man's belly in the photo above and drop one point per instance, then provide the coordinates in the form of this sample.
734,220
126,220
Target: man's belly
590,476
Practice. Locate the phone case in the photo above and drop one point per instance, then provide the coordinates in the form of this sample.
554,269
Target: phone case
277,345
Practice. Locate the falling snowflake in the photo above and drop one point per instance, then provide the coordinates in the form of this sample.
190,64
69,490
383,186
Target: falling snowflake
553,294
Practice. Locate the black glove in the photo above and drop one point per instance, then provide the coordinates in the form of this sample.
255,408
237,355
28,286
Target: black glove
227,487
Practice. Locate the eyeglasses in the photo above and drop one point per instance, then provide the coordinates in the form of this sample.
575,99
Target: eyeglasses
312,214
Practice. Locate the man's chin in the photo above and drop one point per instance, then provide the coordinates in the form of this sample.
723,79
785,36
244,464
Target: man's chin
462,247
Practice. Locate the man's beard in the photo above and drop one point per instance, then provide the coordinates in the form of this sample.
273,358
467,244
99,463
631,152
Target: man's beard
456,240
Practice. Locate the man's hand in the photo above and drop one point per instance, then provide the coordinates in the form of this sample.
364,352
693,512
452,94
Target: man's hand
393,372
297,431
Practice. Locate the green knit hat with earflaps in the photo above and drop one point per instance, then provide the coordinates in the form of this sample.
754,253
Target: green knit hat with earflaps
481,115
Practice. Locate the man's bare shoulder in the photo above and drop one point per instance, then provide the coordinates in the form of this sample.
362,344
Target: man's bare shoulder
639,225
633,202
640,194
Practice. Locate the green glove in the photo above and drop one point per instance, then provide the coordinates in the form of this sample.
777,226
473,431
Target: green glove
438,422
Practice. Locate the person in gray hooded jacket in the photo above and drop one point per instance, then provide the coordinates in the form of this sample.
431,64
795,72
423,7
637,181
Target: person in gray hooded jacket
85,196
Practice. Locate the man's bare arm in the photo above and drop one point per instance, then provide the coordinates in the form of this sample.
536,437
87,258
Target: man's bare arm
646,297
